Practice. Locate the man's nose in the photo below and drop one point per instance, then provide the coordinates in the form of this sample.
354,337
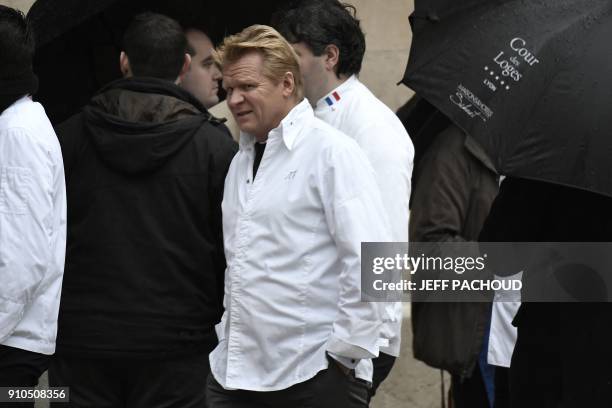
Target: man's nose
216,74
234,98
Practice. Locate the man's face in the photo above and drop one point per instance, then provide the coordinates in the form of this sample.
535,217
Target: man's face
203,77
314,74
257,103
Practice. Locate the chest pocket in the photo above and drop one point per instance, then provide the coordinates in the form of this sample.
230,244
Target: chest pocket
14,189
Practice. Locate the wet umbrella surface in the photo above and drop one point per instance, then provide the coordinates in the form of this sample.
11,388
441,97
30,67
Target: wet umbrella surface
529,79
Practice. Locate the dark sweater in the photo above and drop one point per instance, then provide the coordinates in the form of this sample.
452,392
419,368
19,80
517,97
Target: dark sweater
145,168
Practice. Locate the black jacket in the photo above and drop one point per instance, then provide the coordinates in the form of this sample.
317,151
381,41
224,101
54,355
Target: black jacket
145,167
454,188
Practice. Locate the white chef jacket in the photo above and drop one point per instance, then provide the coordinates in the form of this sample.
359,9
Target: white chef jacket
293,244
32,228
354,110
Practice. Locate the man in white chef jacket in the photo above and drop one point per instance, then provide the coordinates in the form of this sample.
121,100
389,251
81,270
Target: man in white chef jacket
330,45
32,214
299,199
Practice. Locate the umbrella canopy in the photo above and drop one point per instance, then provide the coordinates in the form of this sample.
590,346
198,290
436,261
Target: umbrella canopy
529,79
50,19
78,41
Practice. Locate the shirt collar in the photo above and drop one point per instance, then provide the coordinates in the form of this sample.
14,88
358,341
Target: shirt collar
335,96
288,129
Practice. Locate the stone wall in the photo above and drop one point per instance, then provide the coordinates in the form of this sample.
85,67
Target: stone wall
388,35
23,5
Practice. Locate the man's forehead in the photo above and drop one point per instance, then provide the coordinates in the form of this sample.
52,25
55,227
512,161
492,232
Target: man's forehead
301,48
300,45
247,67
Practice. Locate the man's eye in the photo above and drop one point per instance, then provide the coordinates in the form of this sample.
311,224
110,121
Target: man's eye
249,87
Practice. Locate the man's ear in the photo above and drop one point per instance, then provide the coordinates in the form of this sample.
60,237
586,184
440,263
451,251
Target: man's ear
184,69
288,84
332,56
124,65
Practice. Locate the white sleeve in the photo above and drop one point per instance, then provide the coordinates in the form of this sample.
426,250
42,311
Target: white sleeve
391,154
354,214
26,208
349,363
220,327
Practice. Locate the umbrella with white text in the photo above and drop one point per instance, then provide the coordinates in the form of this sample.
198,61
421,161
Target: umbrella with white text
530,80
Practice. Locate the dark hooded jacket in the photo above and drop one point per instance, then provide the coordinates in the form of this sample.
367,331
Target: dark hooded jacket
145,166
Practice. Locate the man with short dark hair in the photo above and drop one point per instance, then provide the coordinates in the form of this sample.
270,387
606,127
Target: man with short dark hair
155,48
202,78
32,214
330,44
145,167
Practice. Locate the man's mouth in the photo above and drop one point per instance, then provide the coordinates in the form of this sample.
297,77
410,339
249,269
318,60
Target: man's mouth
243,113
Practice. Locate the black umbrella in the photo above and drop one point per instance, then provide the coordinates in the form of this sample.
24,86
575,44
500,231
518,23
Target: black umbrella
529,79
50,19
79,40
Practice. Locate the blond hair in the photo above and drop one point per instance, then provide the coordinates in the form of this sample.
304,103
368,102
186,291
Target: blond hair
279,56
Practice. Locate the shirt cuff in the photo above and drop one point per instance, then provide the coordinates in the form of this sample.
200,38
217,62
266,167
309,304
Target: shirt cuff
348,362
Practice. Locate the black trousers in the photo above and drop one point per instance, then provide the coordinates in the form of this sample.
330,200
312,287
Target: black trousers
563,356
535,369
502,387
133,383
382,367
20,368
471,392
327,389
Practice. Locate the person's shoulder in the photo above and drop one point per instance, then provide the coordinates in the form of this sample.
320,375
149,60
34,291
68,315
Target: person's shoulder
24,114
216,138
363,99
71,133
28,118
447,153
72,124
328,136
451,139
365,111
333,143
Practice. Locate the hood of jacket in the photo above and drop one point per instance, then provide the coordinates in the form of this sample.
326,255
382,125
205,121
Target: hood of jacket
137,124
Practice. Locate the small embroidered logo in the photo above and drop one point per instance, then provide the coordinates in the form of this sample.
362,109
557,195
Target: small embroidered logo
290,175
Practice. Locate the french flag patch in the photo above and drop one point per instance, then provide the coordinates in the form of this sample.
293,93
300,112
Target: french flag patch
330,101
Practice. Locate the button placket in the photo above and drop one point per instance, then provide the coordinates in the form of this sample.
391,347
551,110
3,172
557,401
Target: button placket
242,227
